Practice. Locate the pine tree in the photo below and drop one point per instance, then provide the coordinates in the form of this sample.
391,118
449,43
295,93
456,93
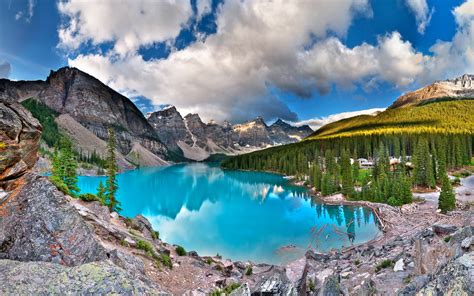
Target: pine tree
447,197
64,166
317,176
111,182
423,171
102,193
69,166
347,185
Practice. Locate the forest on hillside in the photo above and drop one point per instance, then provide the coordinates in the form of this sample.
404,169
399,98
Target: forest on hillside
443,116
398,162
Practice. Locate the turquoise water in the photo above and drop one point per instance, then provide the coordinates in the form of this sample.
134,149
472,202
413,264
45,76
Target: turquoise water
239,215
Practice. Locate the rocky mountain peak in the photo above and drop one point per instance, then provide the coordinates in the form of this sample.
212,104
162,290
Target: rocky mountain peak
458,88
281,123
464,81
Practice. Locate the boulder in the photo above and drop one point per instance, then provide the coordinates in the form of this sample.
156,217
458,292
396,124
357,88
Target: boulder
141,224
37,223
444,229
19,140
243,290
97,278
399,265
130,263
467,242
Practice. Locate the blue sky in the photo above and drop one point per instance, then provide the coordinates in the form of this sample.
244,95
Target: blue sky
265,75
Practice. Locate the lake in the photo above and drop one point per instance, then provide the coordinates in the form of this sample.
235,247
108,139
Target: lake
239,215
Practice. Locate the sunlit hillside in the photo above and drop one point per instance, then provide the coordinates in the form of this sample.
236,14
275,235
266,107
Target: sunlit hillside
455,116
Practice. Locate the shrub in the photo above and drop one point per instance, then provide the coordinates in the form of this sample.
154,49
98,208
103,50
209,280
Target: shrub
384,264
447,239
249,271
209,261
393,201
155,234
88,197
166,260
60,185
180,251
311,285
145,246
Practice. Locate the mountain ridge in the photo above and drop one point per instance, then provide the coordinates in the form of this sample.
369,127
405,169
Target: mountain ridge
461,87
165,133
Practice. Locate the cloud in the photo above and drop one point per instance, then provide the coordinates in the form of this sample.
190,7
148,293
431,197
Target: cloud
316,123
422,13
455,57
28,14
5,69
392,60
203,7
128,25
225,76
294,46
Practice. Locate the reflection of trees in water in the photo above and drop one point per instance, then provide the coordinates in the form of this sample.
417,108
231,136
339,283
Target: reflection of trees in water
350,223
346,218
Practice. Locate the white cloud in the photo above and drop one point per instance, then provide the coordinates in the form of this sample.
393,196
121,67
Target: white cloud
316,123
455,57
5,69
291,45
129,24
28,14
226,76
392,59
422,13
203,7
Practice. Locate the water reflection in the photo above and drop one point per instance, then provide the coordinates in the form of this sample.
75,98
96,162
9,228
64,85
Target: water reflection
240,215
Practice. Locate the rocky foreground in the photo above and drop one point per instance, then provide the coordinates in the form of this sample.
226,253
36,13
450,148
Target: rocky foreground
51,243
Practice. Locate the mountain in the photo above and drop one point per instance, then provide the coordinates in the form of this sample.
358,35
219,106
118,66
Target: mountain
459,88
282,132
442,107
198,140
253,133
84,108
93,105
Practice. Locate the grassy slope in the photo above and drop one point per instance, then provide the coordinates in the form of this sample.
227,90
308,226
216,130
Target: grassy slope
437,117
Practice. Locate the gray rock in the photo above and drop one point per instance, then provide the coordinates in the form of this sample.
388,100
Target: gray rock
19,138
467,242
331,286
243,290
273,282
130,263
456,278
97,278
399,265
443,229
170,127
310,254
141,224
39,224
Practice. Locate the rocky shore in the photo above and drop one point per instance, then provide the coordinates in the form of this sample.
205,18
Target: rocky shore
51,243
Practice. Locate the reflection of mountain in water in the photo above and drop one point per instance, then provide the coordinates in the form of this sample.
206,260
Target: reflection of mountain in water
241,214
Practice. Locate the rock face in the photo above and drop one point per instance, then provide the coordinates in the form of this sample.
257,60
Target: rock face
253,133
282,132
170,127
97,278
197,140
91,103
458,88
19,140
37,223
